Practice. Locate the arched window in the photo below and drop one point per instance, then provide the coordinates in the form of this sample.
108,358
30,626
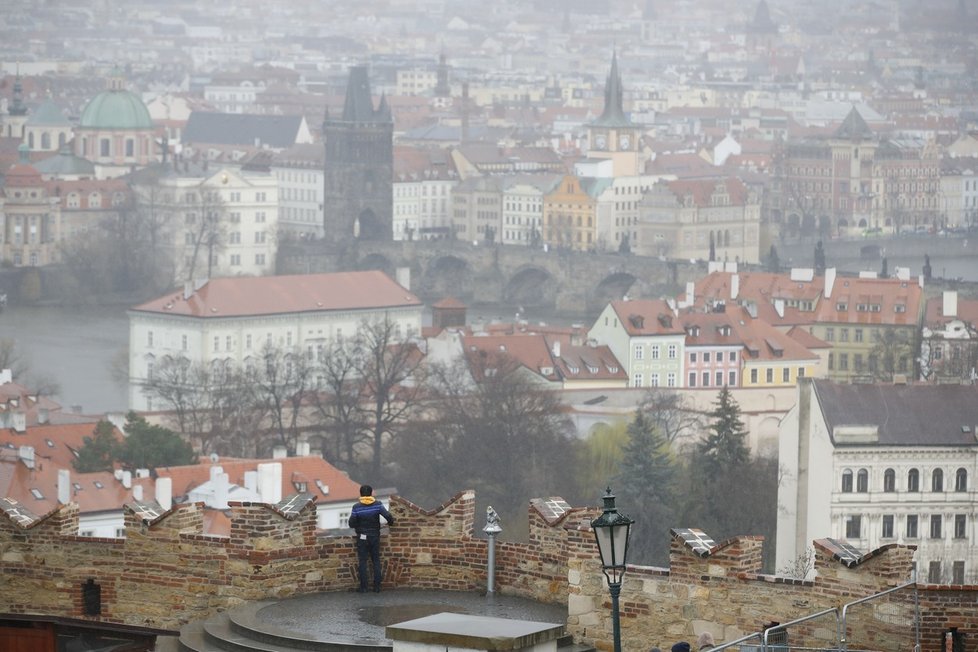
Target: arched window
961,480
62,139
30,140
862,481
847,481
104,147
45,141
913,480
889,480
937,480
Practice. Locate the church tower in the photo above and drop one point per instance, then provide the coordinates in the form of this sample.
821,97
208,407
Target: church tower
613,135
359,167
16,112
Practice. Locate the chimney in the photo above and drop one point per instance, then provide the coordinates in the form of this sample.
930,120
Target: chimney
42,415
6,376
164,493
950,306
302,449
829,282
270,482
127,479
251,481
188,290
690,293
403,277
27,456
19,422
734,286
279,452
137,493
779,307
556,348
221,486
64,486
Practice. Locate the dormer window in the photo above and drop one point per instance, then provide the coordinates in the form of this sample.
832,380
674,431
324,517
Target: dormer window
899,308
841,307
724,330
300,487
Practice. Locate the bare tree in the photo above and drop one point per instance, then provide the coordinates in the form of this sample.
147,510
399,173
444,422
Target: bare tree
336,405
670,412
892,354
281,384
390,371
204,233
212,405
12,358
490,425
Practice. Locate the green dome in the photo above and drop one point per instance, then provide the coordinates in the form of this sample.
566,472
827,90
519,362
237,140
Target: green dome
116,109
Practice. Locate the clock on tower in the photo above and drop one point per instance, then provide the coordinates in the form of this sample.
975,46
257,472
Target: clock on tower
624,141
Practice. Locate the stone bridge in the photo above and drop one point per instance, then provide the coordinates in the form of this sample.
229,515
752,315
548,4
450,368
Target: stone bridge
564,281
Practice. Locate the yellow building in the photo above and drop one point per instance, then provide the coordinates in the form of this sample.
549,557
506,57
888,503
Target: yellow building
569,213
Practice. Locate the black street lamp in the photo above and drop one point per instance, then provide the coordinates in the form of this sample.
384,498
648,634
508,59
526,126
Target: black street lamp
611,531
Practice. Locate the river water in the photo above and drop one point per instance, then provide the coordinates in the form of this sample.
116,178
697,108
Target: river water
74,347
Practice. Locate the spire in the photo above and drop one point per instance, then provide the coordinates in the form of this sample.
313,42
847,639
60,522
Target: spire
614,109
17,107
441,88
359,106
854,127
762,23
383,109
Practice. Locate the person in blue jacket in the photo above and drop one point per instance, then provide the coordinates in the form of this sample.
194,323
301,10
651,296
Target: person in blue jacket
365,521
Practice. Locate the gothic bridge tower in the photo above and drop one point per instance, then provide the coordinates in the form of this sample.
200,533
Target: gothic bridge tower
359,167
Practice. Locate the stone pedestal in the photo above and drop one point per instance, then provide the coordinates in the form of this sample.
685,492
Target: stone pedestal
451,632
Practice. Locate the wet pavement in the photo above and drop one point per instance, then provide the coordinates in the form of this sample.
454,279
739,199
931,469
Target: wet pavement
361,617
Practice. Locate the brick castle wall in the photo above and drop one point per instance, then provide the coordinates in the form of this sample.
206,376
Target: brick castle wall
167,572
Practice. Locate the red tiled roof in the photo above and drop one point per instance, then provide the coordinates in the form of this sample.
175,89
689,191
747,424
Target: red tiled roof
936,319
766,341
310,468
872,301
269,295
647,317
701,190
530,351
53,443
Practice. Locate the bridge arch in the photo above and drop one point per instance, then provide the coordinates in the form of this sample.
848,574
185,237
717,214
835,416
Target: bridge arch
612,287
447,276
531,286
376,261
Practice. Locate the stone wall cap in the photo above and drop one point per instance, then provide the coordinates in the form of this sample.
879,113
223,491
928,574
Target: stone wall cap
476,632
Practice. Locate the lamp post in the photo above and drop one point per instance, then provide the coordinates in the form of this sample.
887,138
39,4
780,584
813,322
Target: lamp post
492,529
611,531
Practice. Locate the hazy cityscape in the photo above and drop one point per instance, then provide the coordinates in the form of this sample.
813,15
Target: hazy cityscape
721,258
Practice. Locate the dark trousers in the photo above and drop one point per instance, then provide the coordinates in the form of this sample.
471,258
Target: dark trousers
369,547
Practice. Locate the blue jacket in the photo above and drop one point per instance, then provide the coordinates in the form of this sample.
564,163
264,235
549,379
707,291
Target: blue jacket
365,517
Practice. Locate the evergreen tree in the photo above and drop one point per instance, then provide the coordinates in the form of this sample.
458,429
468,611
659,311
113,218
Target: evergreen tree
725,445
646,478
148,446
98,451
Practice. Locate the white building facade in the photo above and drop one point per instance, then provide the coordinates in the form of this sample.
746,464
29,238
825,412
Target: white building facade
231,321
877,465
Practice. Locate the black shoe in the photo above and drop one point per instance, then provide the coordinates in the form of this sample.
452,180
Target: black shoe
362,589
376,589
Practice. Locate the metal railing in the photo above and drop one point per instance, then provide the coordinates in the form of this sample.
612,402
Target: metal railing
774,638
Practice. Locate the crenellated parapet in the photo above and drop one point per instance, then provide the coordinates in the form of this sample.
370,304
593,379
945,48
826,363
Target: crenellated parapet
167,572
